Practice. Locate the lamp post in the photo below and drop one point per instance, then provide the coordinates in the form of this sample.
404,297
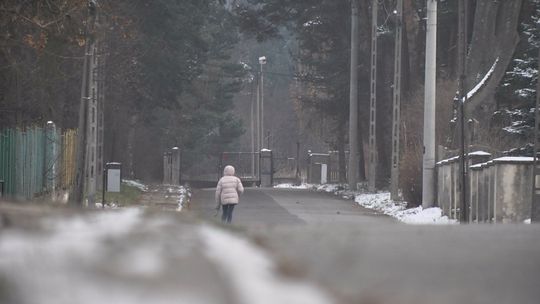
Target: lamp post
262,61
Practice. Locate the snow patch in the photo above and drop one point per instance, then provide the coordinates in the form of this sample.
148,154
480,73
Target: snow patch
136,184
480,153
482,82
291,186
514,159
255,280
181,193
383,203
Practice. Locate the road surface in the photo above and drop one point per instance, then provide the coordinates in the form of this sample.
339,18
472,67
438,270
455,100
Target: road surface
277,207
285,246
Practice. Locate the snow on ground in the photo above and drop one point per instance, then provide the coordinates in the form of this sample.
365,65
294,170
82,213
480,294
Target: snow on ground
41,265
107,205
321,188
136,184
180,193
255,279
115,256
381,202
291,186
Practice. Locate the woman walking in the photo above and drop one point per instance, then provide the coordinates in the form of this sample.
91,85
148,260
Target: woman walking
228,191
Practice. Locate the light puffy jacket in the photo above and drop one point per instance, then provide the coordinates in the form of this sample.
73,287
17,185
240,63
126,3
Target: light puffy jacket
229,187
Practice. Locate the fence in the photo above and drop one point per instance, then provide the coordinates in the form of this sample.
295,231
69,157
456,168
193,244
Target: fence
498,190
324,167
246,164
35,161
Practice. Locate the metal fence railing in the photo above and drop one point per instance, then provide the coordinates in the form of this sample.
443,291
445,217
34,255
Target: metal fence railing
36,160
246,164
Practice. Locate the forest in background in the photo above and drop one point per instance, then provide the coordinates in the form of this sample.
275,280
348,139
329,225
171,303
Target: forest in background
169,77
505,32
176,70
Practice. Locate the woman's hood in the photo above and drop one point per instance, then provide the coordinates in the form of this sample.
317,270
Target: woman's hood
229,170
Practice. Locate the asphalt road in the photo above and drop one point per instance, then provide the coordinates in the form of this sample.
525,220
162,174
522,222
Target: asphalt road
359,256
277,207
285,246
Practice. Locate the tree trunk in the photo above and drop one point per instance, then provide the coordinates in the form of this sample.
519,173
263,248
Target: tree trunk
131,144
413,53
494,38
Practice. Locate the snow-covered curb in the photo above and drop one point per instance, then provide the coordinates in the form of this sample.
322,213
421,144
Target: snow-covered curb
381,202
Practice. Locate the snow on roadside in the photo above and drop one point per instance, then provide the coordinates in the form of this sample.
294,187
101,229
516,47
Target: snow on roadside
383,203
255,281
91,258
330,188
291,186
182,194
136,184
79,236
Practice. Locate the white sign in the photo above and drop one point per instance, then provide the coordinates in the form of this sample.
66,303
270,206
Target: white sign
113,180
324,173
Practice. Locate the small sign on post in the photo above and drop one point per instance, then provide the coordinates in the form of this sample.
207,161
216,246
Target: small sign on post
112,179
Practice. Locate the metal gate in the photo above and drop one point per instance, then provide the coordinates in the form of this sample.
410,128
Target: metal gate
246,164
285,168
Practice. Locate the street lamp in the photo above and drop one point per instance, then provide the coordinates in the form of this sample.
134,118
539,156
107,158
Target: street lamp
262,61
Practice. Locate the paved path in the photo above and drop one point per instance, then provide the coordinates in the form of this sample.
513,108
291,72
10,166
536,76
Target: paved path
287,246
362,257
276,207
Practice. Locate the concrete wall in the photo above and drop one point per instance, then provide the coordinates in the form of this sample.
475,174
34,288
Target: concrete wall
498,190
512,190
448,183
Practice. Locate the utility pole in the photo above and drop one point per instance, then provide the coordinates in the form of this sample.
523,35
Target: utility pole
262,61
463,18
396,119
258,124
76,198
252,134
372,166
535,201
298,178
101,112
92,124
428,171
353,99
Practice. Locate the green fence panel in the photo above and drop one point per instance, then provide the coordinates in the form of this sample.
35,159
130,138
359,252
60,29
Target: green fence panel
19,164
7,168
52,159
31,161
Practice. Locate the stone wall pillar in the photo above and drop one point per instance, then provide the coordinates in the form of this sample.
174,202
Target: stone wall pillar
267,168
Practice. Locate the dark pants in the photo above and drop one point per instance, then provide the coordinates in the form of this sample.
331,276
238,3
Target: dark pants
227,212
